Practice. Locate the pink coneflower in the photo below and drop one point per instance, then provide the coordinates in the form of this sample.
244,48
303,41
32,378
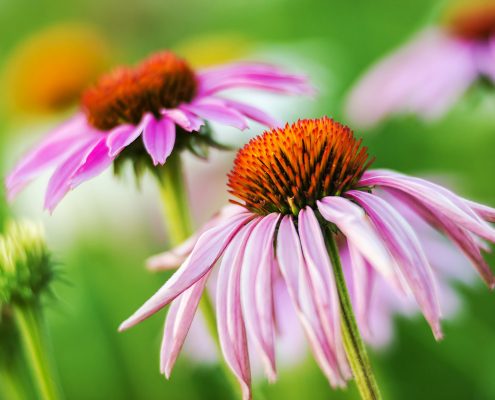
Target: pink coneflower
305,196
429,75
161,100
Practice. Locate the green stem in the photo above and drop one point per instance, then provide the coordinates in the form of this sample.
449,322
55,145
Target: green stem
173,193
29,323
353,343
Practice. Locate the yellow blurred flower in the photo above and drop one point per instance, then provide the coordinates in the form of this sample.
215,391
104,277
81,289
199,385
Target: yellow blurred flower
48,71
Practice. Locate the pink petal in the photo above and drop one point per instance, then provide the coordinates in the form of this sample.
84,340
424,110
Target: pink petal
485,212
253,113
52,149
294,271
217,112
159,139
354,224
123,135
230,321
406,248
256,291
433,197
178,322
96,162
205,254
60,181
184,119
323,283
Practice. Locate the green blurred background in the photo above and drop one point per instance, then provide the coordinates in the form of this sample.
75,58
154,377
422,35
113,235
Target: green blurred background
102,245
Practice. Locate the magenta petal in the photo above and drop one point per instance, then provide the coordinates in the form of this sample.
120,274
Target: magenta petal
406,248
96,162
253,113
485,212
323,283
257,291
55,147
123,135
60,181
294,271
205,254
217,112
178,322
230,321
159,139
184,119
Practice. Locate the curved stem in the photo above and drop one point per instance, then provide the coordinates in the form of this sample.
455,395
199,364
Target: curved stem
28,320
174,196
353,343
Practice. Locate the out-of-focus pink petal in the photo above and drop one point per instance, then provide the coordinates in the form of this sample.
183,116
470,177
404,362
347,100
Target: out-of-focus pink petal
123,135
433,197
70,135
355,225
216,112
184,119
96,162
177,324
257,293
485,212
253,113
294,271
230,320
60,181
485,55
159,139
403,243
323,283
205,254
427,76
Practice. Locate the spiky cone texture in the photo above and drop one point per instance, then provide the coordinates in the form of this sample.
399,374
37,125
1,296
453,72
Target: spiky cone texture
276,233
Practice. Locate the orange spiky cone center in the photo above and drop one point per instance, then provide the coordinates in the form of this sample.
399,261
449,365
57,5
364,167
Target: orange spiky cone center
123,96
289,168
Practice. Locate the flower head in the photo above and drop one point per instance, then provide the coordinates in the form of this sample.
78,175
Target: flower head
429,74
162,100
26,266
266,240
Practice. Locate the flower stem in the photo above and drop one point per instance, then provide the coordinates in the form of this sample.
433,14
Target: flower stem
29,322
175,200
353,343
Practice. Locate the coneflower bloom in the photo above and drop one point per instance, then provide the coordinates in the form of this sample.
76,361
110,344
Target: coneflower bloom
431,73
161,101
305,195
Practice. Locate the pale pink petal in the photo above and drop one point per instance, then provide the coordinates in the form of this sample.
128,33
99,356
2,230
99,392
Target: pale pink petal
205,254
426,76
405,246
253,113
159,139
184,119
294,271
485,57
178,322
355,225
323,283
123,135
54,148
217,112
230,321
485,212
433,197
96,162
60,181
256,291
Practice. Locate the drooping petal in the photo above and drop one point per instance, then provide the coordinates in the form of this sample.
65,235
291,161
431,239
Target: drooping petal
159,139
96,162
256,291
354,224
178,322
253,113
403,243
123,135
184,119
60,181
217,112
294,271
230,320
51,150
433,197
485,212
205,254
323,283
